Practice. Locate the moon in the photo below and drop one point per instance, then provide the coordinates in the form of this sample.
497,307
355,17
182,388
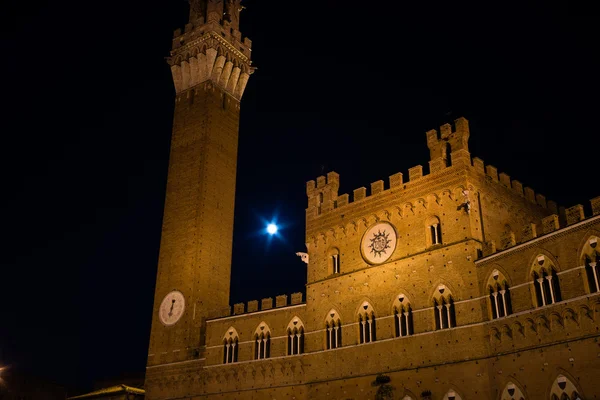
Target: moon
272,229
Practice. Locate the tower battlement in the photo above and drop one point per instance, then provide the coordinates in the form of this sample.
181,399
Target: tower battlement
211,48
323,194
448,148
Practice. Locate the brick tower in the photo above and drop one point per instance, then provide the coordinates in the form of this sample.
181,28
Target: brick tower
211,65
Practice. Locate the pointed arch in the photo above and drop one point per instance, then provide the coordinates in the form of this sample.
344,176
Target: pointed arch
230,346
512,392
447,193
499,294
443,308
590,258
458,191
333,330
372,219
452,395
448,288
367,330
295,337
221,51
545,281
262,341
549,260
408,209
422,203
403,318
563,389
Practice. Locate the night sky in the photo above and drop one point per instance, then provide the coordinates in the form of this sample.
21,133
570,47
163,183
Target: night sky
87,106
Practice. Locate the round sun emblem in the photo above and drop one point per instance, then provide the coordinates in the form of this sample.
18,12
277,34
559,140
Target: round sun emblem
378,243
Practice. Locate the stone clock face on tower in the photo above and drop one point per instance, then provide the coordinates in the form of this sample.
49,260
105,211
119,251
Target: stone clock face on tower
378,243
171,308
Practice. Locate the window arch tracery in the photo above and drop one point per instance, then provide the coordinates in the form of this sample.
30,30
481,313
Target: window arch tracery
333,330
366,323
564,389
452,395
591,259
512,392
403,318
262,342
443,306
499,297
230,346
295,337
545,281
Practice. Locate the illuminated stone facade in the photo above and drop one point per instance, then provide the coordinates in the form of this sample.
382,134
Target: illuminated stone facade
453,284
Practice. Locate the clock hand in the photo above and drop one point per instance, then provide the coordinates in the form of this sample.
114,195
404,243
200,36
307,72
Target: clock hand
171,310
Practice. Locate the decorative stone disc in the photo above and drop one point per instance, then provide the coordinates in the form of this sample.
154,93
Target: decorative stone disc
378,243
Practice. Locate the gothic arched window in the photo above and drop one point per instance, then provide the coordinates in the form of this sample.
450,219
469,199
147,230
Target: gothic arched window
545,281
591,259
403,320
262,342
512,392
333,330
500,301
443,308
564,389
295,337
366,323
230,346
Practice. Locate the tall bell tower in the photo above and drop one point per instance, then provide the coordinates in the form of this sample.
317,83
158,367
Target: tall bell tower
211,65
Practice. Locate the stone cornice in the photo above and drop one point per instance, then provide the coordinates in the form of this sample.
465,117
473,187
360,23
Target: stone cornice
209,38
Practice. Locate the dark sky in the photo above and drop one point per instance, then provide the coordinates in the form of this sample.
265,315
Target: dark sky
87,105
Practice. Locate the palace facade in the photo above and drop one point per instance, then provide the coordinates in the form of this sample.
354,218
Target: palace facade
449,282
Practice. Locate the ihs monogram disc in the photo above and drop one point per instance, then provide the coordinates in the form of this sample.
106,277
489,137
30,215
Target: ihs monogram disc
378,243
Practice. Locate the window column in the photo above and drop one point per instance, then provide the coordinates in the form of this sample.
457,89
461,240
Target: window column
439,307
226,355
552,299
503,295
495,301
593,265
335,330
448,314
435,234
363,330
541,282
